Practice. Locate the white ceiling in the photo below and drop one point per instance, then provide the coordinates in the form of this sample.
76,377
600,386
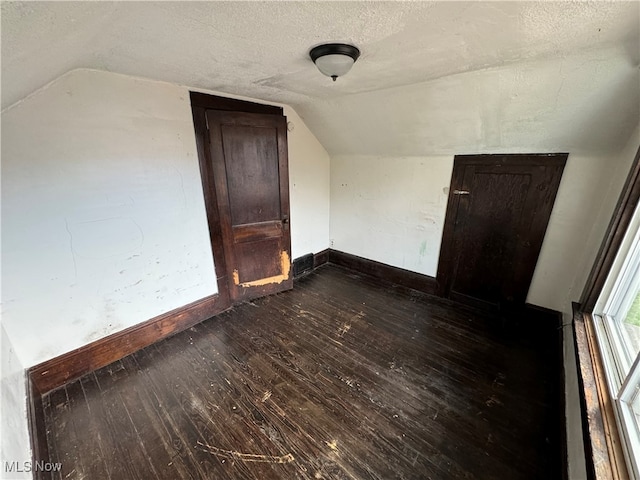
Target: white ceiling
433,78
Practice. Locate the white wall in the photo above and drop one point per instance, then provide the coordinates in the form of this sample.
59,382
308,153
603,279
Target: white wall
558,278
15,445
103,218
309,166
609,200
392,210
586,199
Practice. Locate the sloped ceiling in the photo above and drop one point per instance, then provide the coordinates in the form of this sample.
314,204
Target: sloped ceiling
433,78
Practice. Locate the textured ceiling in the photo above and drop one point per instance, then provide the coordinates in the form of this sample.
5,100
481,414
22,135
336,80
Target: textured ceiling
434,77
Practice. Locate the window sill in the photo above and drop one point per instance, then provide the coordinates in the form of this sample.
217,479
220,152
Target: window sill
603,450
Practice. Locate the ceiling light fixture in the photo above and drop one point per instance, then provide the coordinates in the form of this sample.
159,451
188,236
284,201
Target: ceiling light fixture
334,59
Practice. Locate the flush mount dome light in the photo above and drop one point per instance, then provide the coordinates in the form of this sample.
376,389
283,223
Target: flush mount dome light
334,59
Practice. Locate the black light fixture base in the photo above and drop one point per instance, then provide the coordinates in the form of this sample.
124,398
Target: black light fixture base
333,49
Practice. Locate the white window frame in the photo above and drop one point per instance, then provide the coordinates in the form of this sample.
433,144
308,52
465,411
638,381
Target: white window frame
621,364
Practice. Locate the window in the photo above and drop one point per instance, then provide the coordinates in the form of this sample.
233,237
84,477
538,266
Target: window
617,324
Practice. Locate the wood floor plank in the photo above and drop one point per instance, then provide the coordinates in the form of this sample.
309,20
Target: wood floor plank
346,376
60,433
171,397
125,443
340,380
91,455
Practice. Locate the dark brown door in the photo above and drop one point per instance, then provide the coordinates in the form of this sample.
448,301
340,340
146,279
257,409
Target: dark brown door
497,215
250,176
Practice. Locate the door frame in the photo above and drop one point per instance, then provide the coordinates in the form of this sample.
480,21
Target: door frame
446,261
200,103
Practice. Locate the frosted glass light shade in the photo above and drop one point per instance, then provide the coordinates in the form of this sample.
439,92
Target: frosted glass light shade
334,65
334,59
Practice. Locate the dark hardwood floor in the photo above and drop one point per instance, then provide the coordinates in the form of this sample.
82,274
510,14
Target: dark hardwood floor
345,377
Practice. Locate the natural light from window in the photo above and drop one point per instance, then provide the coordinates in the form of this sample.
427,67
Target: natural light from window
617,324
632,322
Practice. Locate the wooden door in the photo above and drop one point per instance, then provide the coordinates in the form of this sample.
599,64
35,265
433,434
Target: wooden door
498,210
250,177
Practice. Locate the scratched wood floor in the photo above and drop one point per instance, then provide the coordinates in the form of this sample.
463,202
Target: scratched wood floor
345,377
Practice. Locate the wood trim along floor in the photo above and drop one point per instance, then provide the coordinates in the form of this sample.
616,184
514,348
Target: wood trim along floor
407,278
309,262
54,373
60,370
36,422
320,258
400,276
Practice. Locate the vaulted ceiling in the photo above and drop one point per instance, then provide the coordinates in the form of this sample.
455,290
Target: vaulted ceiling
433,78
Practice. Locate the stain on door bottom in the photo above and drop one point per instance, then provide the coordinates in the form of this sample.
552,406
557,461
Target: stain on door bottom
285,264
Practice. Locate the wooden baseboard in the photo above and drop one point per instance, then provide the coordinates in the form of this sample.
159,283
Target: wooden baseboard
400,276
308,263
58,371
55,373
37,429
320,258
